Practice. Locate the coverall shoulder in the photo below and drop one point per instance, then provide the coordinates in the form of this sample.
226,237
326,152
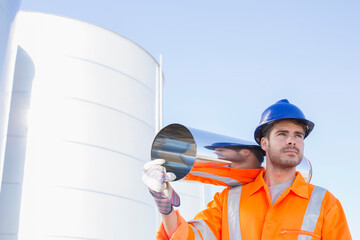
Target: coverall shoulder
247,213
220,174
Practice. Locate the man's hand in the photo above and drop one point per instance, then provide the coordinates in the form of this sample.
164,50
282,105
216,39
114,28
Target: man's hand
157,180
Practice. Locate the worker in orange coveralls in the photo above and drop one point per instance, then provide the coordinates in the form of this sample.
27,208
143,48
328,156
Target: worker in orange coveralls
245,164
279,204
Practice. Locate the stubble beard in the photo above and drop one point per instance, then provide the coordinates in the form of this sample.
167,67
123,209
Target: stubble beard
284,162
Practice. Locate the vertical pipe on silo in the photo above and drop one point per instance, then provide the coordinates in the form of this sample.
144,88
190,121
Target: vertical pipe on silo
160,92
158,96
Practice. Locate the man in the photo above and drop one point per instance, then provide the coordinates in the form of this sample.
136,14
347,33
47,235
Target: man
279,204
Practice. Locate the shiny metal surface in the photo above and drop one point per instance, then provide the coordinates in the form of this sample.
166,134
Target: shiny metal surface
176,144
183,147
305,169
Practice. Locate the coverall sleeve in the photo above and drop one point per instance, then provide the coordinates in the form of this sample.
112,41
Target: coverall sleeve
180,233
208,221
335,225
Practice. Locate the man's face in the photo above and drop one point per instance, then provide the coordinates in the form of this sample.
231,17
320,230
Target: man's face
228,154
285,144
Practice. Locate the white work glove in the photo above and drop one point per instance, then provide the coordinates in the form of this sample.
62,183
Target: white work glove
156,179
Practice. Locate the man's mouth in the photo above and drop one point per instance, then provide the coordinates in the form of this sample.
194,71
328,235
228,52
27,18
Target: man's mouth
290,150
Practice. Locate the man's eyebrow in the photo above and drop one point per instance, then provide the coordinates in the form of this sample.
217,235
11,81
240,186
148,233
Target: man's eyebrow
299,132
287,131
284,131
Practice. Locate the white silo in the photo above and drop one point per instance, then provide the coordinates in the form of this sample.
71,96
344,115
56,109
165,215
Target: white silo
91,102
85,107
8,11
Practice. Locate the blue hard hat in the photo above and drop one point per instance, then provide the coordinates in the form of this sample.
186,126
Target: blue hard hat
282,109
230,145
237,145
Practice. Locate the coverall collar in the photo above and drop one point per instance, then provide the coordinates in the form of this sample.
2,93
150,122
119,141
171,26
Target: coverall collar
299,186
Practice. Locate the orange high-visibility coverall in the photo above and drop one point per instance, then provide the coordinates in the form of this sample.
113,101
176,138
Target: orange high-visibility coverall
260,219
214,173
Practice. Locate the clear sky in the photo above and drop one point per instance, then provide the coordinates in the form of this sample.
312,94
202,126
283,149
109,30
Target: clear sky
226,61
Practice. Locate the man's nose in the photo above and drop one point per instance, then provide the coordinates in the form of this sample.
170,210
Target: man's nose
291,140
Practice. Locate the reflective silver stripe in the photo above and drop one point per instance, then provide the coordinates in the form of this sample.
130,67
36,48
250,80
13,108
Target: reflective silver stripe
229,181
233,213
312,212
197,236
204,229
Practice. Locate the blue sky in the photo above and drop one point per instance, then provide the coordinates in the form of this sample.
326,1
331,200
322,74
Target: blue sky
226,61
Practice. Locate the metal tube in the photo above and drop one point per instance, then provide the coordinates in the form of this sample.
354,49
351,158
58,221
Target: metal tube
185,149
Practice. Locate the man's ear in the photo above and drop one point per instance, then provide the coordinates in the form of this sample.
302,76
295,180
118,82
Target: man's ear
264,143
245,152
